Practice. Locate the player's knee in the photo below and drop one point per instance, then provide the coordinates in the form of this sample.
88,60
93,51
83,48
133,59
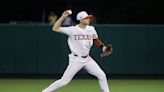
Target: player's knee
64,82
102,76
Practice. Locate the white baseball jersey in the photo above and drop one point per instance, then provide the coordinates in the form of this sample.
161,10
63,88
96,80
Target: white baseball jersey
80,40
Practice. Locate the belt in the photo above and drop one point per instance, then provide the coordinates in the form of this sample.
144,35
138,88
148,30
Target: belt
80,56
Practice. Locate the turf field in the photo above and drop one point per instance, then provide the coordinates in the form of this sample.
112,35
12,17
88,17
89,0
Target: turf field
36,85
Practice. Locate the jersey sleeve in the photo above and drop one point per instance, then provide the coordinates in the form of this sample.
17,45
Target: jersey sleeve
66,30
94,36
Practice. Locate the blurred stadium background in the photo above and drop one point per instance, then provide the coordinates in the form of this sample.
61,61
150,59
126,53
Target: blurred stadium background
116,11
32,56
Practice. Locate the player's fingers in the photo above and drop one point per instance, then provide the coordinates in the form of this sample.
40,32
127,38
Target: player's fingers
65,14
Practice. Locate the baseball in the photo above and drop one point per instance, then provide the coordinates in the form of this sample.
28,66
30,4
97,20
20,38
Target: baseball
70,12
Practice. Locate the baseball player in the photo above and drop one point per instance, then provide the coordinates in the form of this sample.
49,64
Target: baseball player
80,40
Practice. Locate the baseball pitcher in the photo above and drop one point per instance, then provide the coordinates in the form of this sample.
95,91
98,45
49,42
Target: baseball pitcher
80,40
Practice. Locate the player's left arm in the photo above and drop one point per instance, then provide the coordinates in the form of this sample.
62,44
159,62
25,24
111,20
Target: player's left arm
106,50
96,39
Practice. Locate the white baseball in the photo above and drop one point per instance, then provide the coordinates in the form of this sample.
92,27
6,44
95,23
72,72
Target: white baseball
70,12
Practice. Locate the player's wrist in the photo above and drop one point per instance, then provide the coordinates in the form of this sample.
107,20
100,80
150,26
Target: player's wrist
102,45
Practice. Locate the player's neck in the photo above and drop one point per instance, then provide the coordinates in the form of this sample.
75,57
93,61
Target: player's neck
82,26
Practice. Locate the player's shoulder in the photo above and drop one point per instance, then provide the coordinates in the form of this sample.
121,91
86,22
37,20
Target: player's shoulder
69,27
91,27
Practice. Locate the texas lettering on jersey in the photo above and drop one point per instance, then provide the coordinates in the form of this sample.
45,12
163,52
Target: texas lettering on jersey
82,37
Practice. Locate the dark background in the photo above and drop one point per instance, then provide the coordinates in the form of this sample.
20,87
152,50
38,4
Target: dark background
35,50
105,11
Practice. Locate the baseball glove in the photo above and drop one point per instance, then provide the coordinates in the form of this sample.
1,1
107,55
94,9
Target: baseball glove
107,50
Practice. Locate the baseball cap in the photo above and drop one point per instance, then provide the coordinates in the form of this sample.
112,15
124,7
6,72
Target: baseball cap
82,15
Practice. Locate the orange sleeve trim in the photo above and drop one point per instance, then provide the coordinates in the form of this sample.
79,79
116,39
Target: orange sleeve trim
98,42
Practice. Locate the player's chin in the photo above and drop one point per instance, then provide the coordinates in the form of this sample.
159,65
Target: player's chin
87,23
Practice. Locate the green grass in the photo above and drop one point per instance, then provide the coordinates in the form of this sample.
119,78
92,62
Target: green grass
34,85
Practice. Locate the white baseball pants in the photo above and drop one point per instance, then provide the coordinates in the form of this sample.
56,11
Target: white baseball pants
75,65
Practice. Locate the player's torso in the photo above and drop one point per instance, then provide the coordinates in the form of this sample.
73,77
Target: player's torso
81,40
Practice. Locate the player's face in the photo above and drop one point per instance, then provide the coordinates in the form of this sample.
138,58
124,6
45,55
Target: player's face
85,21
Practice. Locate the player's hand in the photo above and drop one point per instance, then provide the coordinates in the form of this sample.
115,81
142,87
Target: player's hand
103,48
65,14
107,50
